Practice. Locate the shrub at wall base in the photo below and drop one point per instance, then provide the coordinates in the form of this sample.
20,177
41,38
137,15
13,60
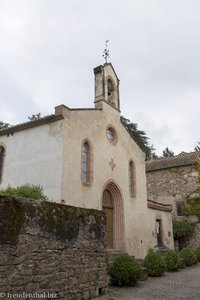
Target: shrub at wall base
188,257
197,253
155,264
125,271
172,261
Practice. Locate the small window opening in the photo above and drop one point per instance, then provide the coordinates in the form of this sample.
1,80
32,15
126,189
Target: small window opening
2,154
109,87
132,179
85,162
180,206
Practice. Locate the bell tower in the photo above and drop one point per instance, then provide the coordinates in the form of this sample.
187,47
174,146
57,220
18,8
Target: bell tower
106,86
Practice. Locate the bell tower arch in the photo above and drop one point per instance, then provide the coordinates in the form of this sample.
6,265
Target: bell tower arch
106,86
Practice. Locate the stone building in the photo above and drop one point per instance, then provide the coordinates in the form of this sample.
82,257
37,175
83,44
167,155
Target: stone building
85,157
171,179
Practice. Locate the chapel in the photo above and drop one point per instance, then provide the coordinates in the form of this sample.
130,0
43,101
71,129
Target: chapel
85,157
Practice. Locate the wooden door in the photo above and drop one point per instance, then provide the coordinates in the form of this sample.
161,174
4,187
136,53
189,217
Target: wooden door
108,209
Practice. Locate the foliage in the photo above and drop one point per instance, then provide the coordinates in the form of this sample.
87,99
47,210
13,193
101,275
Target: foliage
172,261
193,207
198,169
182,263
197,147
197,253
167,152
139,136
155,264
25,191
182,229
35,117
153,155
4,125
188,257
175,170
125,271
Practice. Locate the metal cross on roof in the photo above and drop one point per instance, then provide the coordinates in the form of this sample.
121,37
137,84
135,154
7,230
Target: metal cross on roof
106,52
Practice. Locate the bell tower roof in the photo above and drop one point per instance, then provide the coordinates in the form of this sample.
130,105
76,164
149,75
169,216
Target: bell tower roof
106,86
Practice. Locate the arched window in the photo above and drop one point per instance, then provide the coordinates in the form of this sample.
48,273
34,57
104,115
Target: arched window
86,163
132,179
109,87
2,154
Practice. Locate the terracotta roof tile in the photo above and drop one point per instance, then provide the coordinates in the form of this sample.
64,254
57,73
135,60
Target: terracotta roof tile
183,159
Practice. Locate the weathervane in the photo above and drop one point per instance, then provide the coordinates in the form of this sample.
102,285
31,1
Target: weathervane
106,52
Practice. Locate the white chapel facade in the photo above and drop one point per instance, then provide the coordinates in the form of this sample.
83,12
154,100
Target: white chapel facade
85,157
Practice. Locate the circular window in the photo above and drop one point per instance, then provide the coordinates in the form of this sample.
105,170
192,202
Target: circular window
111,135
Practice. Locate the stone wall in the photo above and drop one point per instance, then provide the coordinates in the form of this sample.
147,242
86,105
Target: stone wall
194,240
171,185
51,249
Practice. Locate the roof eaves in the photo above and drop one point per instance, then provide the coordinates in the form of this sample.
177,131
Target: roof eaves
175,161
30,124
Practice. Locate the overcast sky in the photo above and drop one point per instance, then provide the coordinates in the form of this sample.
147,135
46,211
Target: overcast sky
48,49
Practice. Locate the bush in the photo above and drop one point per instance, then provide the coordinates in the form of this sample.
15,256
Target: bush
188,257
172,261
25,191
155,264
125,271
182,264
182,229
197,253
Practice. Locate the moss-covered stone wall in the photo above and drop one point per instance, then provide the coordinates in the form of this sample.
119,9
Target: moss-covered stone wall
51,248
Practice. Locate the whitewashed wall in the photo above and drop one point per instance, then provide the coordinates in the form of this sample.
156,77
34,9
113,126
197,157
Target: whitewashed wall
166,228
35,156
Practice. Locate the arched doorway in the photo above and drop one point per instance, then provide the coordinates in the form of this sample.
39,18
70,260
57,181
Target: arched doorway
113,208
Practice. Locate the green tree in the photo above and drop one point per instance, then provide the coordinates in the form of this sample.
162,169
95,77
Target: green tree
197,147
4,125
35,117
153,154
167,152
139,136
